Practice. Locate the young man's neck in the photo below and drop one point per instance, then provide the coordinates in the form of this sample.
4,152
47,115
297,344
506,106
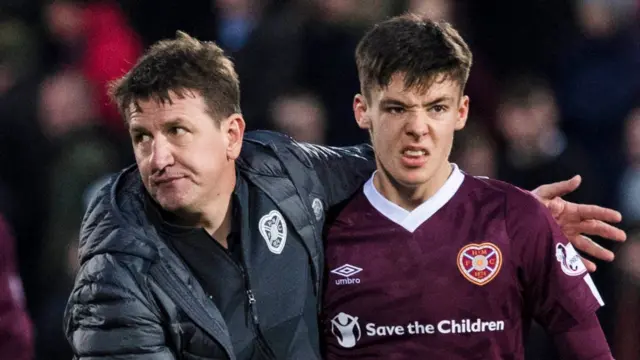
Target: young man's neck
406,197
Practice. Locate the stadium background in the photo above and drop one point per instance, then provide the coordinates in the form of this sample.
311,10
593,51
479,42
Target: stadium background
555,91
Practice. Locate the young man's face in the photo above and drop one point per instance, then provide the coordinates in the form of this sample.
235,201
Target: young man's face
183,155
412,131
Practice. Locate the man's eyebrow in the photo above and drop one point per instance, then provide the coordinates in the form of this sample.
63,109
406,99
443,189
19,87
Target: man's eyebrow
390,101
137,129
441,99
177,121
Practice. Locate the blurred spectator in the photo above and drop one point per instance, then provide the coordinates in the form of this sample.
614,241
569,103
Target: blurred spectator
301,116
83,153
625,344
536,150
15,327
629,188
330,36
598,81
236,21
516,35
434,9
263,39
23,149
475,150
95,38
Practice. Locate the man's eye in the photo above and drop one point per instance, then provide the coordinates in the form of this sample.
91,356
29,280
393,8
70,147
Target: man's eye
138,138
439,108
177,130
395,110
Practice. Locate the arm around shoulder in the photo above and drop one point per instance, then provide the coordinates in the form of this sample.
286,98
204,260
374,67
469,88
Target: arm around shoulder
108,315
341,170
557,289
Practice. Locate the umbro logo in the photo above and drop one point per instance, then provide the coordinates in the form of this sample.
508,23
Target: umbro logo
347,271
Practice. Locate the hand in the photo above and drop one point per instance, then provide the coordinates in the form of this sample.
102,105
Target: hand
579,220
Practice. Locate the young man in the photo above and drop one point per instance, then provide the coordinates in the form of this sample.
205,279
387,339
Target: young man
426,262
210,246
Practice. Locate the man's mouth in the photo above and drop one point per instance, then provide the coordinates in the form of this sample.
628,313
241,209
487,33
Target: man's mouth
166,180
414,153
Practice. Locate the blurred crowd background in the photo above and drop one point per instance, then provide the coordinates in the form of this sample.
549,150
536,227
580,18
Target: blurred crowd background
555,91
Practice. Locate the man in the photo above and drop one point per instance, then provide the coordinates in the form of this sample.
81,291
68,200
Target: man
210,246
16,340
425,261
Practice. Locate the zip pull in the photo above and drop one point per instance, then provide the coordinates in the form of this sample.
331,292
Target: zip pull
252,299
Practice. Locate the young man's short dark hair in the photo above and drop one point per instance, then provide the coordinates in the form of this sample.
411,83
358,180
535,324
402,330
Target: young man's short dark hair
420,49
181,65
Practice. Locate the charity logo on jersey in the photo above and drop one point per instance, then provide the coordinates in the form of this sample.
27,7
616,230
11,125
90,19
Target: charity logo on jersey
569,260
318,208
346,329
273,229
480,263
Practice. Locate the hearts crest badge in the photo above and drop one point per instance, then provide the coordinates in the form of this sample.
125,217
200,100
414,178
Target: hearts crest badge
480,263
273,229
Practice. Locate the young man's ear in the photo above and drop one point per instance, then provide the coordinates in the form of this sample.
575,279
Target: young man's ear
463,113
360,111
234,127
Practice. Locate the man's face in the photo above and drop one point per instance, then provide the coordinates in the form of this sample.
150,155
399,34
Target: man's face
412,131
185,158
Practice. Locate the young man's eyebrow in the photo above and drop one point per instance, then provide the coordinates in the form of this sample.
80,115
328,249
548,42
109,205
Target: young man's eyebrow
440,99
388,102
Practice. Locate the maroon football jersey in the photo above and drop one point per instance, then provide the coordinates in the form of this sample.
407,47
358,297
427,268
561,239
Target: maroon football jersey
459,277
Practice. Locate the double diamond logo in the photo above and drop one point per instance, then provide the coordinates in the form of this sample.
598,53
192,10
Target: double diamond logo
346,270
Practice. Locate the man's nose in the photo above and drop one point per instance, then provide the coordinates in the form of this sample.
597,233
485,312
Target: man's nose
418,125
161,155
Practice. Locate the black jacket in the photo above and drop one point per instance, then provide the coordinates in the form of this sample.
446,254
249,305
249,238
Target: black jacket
135,299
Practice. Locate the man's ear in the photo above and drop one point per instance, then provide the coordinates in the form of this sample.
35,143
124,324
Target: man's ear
463,113
233,127
360,111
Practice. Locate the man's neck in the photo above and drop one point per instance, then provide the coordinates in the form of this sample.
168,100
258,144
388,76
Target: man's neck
215,217
407,197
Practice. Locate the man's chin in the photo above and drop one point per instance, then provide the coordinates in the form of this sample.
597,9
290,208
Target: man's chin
171,204
413,178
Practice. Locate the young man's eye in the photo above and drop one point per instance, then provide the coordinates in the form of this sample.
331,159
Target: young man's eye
439,108
395,110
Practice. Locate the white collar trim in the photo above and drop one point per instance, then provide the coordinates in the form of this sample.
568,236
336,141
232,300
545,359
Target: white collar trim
411,220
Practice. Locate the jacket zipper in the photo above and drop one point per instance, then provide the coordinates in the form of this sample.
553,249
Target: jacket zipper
253,313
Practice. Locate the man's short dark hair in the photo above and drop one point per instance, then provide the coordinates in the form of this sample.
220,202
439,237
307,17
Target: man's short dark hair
181,65
420,49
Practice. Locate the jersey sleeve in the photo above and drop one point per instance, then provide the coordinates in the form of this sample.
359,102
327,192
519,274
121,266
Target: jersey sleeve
557,290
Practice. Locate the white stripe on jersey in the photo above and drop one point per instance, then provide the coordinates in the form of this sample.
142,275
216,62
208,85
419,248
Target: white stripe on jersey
594,289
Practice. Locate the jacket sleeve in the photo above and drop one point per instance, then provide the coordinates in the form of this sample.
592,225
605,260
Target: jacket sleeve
341,170
16,340
108,315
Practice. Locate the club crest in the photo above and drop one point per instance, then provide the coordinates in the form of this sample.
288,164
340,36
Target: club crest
317,208
480,263
273,229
